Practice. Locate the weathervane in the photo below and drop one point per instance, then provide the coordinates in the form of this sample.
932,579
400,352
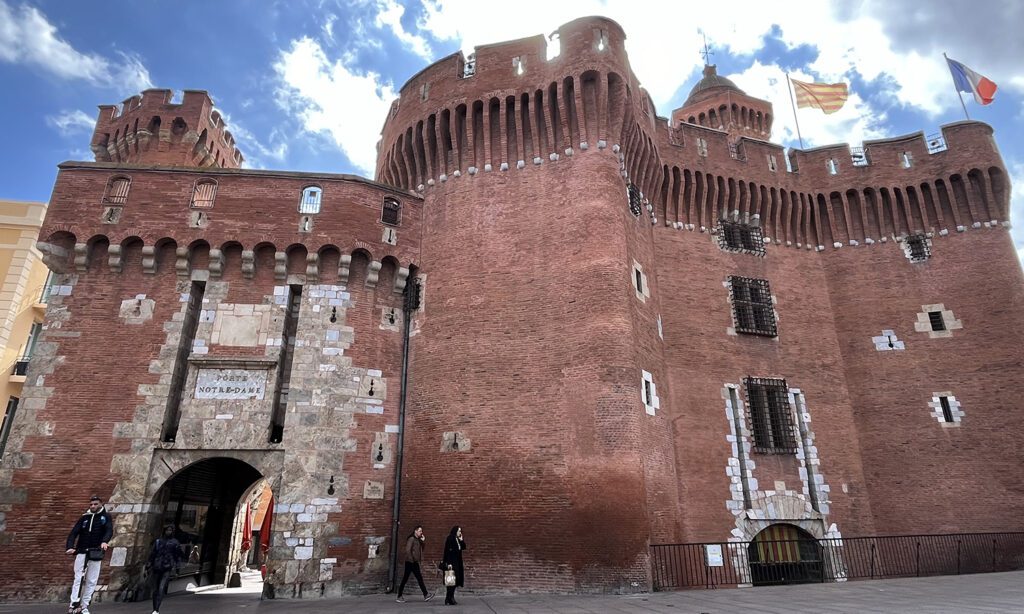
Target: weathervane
707,53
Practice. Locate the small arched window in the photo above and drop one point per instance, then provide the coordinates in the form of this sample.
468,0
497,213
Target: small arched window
203,194
310,201
391,213
117,191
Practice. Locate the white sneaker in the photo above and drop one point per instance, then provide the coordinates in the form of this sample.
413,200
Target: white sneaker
85,610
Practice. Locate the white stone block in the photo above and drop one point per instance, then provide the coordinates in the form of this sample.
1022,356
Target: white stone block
303,553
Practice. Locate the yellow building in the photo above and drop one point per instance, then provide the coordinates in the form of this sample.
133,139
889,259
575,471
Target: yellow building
22,300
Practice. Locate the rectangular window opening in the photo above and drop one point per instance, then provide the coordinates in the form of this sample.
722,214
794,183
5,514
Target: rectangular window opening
648,397
771,418
752,306
391,213
8,423
744,238
918,246
936,320
639,280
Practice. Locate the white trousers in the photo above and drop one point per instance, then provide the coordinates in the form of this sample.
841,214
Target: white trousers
92,574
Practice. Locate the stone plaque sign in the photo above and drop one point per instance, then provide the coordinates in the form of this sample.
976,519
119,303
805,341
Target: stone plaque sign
237,384
373,490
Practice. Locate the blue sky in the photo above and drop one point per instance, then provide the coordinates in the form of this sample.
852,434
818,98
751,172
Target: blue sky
305,85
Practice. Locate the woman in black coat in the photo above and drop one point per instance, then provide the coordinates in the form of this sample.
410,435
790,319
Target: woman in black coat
453,547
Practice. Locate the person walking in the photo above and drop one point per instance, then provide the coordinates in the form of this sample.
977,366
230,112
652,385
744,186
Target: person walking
88,541
164,560
413,558
453,547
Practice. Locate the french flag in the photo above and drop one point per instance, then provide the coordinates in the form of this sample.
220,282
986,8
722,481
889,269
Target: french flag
966,80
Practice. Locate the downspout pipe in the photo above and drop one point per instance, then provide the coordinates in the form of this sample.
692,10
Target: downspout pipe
410,304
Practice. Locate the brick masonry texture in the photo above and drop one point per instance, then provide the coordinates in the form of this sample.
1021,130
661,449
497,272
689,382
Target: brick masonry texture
532,344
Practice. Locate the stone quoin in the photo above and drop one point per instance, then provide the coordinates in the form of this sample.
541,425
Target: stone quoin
632,330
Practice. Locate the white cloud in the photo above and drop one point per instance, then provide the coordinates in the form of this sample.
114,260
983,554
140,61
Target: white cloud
27,37
389,13
1016,170
254,150
333,99
71,122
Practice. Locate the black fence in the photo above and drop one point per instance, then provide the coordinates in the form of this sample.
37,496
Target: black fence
766,562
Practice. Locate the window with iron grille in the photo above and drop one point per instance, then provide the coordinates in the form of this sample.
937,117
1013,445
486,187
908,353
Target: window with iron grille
203,194
392,212
117,191
936,320
752,306
310,200
917,248
635,198
771,420
947,411
744,238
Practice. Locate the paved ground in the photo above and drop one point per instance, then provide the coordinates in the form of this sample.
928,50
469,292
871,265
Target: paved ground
1001,592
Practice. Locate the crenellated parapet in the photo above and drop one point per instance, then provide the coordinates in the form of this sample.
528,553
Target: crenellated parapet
509,109
262,225
149,129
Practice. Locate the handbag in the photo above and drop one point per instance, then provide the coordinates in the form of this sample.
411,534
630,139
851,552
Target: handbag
94,554
449,576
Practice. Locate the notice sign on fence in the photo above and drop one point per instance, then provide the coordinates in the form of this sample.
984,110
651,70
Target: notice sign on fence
713,555
237,384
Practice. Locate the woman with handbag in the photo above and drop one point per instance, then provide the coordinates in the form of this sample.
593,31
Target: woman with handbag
451,564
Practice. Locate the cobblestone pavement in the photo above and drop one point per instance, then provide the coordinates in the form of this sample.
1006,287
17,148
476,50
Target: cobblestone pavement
1000,592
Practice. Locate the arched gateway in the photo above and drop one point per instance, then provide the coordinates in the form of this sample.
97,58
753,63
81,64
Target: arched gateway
784,554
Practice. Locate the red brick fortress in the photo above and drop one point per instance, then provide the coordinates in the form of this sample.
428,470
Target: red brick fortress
633,330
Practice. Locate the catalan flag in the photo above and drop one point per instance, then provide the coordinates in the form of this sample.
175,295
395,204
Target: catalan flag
829,97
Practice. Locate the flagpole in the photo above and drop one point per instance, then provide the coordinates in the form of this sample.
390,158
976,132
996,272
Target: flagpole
958,93
792,103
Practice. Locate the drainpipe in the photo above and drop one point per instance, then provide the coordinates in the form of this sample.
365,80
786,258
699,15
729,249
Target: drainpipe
410,304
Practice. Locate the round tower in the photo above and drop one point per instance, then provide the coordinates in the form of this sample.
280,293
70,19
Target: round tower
716,102
148,129
526,422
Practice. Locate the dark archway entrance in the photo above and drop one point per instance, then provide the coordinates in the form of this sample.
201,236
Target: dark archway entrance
202,501
784,554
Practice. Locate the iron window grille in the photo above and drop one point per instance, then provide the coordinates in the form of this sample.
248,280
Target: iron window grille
744,238
391,213
947,411
917,245
771,420
752,306
310,201
117,191
203,194
635,200
936,320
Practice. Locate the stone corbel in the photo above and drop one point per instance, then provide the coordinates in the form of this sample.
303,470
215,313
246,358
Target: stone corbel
149,259
181,261
313,268
401,277
280,266
54,257
114,258
248,263
81,257
216,263
344,269
373,274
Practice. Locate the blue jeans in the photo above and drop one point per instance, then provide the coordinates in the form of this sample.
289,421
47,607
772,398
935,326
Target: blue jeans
160,581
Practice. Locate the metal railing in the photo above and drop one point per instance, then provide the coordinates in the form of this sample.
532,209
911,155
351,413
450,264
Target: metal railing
831,560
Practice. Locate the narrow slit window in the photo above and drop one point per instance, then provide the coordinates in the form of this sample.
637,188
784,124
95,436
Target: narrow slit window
906,160
702,147
771,419
391,213
947,411
752,307
936,320
639,280
310,201
203,194
117,191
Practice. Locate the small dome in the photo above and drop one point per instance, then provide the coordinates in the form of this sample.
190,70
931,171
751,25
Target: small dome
710,81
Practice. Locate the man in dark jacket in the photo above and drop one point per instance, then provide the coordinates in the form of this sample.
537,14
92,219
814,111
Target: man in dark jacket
413,558
88,541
